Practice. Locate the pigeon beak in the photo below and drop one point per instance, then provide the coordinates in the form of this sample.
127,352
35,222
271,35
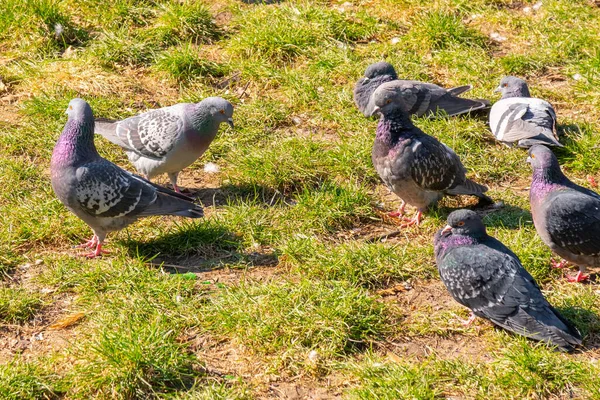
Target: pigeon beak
498,89
230,122
528,160
446,229
365,79
375,111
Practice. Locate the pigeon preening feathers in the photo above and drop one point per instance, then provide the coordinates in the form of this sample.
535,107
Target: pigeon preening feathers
522,119
104,196
415,166
484,275
168,139
565,215
420,98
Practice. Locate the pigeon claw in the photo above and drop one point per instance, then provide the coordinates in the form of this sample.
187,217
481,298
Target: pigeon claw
97,252
580,277
416,220
468,321
558,264
90,244
400,211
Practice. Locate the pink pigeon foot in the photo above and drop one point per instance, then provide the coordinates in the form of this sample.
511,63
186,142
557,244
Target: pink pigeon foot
400,211
90,244
558,264
97,252
580,277
415,221
468,321
176,189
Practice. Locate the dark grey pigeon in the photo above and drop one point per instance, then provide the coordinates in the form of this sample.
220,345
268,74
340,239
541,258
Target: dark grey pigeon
103,195
483,274
420,98
415,166
169,139
565,215
521,119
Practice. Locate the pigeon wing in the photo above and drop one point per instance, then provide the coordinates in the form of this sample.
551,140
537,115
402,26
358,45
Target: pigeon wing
573,221
152,134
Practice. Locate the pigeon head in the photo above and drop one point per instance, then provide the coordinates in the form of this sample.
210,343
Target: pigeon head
511,86
388,100
466,223
80,110
379,69
541,157
220,109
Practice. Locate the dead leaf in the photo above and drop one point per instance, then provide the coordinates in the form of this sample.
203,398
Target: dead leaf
67,321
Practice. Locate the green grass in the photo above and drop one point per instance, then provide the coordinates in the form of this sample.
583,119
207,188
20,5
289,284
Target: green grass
281,285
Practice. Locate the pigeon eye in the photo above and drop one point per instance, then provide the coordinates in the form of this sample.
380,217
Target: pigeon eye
504,85
533,156
388,102
222,111
461,223
70,107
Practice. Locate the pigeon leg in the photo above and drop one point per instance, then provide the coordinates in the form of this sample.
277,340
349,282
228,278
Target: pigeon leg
580,277
558,264
468,321
90,243
415,221
97,252
173,179
592,181
400,211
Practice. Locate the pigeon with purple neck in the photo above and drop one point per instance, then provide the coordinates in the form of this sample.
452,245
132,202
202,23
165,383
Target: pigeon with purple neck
420,98
565,215
415,166
169,139
484,275
104,196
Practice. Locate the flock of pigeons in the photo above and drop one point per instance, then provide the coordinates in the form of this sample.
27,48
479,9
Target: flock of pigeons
478,270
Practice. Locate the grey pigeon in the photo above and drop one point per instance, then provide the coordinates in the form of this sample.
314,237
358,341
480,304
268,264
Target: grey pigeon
415,166
565,215
420,98
169,139
520,118
104,196
483,274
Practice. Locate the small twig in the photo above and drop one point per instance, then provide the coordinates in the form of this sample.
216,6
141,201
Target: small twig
377,237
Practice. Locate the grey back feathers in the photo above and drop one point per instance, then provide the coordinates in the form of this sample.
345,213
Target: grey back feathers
168,139
521,119
565,215
103,195
415,166
420,98
485,276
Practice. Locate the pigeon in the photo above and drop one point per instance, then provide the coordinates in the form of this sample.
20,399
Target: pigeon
415,166
104,196
483,274
420,98
522,119
169,139
565,215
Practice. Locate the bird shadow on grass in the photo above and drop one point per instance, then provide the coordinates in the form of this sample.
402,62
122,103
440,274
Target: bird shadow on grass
199,248
587,322
241,194
494,216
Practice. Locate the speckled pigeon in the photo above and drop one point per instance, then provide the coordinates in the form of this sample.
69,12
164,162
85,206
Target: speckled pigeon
522,119
169,139
565,215
420,98
483,274
415,166
104,196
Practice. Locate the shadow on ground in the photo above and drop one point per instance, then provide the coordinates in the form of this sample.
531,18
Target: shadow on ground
199,248
237,194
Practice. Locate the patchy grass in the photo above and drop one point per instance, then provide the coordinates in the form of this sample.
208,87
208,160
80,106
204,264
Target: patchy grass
289,284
